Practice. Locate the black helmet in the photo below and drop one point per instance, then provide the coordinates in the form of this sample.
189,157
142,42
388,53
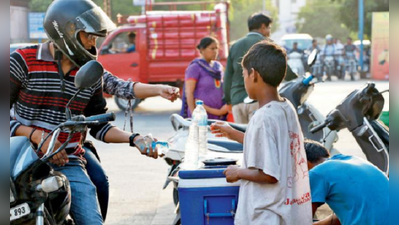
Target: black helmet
65,18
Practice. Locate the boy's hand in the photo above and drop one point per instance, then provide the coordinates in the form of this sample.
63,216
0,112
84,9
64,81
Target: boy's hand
170,93
232,173
221,129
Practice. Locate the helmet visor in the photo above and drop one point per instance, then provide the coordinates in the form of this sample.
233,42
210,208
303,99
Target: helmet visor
95,21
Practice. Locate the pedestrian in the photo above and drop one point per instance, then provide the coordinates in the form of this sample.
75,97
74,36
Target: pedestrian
356,190
203,81
41,82
259,26
274,177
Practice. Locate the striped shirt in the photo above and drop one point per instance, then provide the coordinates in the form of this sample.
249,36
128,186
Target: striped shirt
35,89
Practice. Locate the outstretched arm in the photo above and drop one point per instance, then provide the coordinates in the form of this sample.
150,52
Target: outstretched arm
130,90
223,129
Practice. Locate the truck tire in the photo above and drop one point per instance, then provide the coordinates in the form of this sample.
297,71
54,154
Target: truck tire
123,103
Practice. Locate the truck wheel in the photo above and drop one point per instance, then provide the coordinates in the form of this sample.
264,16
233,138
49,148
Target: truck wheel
123,103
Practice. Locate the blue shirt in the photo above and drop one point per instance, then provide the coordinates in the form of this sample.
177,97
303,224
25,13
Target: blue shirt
356,190
132,48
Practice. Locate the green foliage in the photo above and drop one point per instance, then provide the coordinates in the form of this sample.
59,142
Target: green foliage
240,10
319,18
348,13
39,5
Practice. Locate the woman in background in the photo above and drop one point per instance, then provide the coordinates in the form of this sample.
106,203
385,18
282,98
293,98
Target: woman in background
203,81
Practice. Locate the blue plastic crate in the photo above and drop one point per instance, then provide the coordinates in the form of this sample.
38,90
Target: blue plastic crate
206,198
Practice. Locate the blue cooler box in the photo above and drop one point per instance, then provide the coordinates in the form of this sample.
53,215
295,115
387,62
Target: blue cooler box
206,198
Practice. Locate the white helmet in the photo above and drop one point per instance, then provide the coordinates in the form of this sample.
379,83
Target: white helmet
329,37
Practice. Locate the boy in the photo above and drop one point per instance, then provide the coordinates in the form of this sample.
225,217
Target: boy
274,176
356,190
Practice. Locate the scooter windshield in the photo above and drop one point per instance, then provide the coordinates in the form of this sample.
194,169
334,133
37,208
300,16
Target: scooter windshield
21,156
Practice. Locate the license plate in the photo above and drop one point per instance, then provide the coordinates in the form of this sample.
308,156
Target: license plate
19,211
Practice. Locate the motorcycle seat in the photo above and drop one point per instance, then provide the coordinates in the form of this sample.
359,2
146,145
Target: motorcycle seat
382,131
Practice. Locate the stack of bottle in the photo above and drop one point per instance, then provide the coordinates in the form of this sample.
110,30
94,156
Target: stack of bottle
196,146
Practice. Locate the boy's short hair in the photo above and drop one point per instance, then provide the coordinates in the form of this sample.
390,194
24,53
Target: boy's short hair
269,60
315,151
256,20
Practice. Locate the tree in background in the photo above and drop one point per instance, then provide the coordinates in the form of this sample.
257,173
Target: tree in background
348,13
319,18
240,10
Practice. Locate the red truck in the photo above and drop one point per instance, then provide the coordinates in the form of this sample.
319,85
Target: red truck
165,43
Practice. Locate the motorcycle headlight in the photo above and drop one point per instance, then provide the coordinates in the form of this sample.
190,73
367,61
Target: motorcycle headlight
51,184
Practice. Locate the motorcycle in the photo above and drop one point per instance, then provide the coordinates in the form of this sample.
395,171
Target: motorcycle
295,62
350,64
297,92
38,194
329,66
359,113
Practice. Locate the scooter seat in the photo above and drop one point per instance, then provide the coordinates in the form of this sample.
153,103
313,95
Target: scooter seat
382,131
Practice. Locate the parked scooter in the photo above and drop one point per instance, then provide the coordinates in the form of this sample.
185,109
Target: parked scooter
38,194
296,64
359,113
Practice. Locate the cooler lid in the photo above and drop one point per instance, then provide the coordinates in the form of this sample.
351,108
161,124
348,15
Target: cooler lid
201,174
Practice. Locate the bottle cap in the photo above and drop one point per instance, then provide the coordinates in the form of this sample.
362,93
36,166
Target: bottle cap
199,102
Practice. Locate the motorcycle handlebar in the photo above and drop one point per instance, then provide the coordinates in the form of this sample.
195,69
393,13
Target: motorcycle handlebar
319,127
102,118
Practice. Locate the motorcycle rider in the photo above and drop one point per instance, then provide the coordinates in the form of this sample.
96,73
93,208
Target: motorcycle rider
314,46
329,49
46,71
349,52
340,63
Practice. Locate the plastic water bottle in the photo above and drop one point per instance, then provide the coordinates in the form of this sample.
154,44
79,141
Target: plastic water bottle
201,117
162,147
191,148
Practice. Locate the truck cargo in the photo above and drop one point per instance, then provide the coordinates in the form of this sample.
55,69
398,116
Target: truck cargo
165,43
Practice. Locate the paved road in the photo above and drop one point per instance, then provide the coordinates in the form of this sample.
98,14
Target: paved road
136,182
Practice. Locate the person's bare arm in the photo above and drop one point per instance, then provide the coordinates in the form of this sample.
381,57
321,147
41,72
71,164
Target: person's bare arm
151,90
217,112
235,173
116,135
223,129
59,159
190,88
330,220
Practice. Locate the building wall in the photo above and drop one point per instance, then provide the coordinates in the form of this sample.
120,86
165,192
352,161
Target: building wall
288,12
18,24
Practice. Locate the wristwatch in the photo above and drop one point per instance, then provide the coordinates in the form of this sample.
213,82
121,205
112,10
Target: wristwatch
131,139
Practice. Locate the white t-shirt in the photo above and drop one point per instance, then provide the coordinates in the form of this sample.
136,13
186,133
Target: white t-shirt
273,143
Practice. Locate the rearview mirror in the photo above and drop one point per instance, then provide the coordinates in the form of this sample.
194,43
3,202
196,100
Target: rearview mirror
88,74
312,58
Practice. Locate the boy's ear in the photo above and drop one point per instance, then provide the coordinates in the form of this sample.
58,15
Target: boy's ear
256,75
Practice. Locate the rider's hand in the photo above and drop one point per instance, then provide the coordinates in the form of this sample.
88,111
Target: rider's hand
221,129
59,159
170,93
144,145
